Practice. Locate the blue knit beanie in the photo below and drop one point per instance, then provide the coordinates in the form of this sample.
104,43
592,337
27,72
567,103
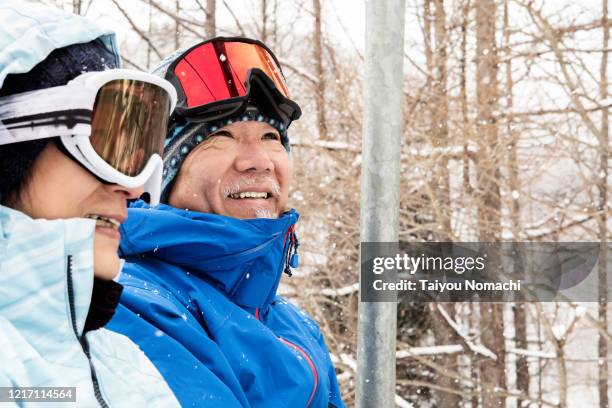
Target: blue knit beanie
184,136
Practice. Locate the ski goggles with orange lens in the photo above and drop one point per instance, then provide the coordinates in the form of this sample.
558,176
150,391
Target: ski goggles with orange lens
113,122
215,78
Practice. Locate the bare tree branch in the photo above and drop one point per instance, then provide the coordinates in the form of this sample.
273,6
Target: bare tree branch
236,21
138,31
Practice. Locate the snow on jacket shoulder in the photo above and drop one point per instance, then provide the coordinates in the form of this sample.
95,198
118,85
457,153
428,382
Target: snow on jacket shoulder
46,280
200,299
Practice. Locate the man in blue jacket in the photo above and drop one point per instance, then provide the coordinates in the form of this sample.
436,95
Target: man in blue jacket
201,273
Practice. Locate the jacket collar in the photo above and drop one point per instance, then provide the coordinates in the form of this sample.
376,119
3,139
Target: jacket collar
58,245
244,259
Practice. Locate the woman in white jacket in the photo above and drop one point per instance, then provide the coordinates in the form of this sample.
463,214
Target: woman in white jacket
74,148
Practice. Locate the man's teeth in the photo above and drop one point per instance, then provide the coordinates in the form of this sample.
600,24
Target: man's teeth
250,194
104,221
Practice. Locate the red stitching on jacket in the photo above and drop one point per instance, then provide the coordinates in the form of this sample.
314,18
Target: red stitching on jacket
310,363
289,231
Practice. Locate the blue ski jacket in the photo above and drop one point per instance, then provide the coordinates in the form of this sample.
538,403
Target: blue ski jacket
200,300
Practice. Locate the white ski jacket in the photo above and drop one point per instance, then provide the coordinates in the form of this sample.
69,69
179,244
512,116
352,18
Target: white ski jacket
46,280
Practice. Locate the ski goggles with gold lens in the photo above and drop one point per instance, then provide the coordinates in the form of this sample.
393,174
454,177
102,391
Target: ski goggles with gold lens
112,122
215,78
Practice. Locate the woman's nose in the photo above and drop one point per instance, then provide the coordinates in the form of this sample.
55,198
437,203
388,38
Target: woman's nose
128,193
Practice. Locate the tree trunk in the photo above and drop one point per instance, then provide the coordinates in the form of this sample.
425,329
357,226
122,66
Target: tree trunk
439,120
602,187
210,25
76,6
264,21
518,309
487,94
318,60
540,347
275,23
438,109
149,32
489,203
177,26
474,322
522,367
427,35
467,187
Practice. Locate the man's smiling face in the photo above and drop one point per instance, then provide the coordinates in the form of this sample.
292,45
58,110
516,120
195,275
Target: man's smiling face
242,171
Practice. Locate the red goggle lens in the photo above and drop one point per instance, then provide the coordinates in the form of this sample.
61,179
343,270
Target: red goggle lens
218,70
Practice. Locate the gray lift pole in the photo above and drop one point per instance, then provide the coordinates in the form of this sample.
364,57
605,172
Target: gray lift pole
380,185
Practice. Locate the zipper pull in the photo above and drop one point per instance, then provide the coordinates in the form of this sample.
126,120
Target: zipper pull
293,259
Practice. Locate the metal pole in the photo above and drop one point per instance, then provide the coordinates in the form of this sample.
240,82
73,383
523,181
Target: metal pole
380,184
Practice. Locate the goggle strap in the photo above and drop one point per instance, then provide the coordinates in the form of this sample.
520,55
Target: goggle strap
283,107
45,113
57,99
40,131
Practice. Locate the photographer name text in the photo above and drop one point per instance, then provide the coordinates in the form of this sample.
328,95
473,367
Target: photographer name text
438,286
